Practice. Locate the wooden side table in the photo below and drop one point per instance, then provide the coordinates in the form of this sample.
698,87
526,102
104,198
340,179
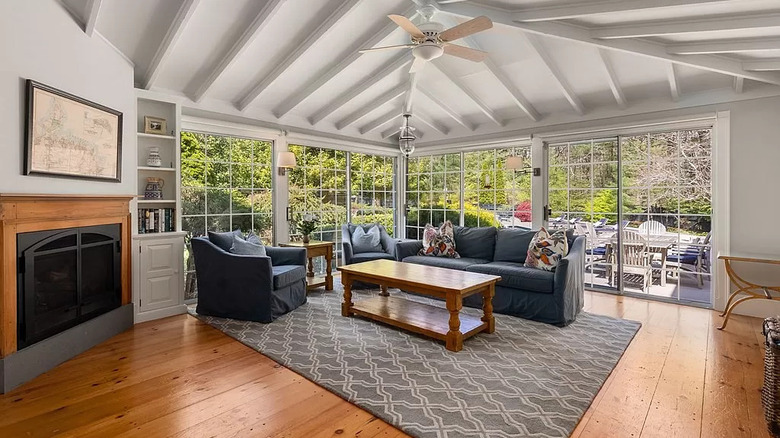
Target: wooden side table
316,248
746,290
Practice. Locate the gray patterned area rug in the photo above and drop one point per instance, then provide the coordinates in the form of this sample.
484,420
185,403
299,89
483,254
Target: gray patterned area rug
528,379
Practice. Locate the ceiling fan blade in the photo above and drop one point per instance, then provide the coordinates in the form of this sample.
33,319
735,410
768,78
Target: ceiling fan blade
465,29
377,49
417,65
465,52
406,24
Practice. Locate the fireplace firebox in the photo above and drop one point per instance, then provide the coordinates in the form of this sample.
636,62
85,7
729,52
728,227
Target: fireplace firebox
66,277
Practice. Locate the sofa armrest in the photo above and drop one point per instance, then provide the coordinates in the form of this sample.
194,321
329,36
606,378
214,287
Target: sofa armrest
286,256
404,249
570,280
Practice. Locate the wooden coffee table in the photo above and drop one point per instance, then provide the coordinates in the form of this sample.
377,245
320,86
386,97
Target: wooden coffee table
449,284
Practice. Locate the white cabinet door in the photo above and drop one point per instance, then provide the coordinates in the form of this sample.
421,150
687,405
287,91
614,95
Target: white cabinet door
160,279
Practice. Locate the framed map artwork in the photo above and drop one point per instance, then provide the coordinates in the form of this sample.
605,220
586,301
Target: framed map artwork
71,137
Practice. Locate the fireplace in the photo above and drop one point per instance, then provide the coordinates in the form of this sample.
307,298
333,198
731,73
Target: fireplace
66,277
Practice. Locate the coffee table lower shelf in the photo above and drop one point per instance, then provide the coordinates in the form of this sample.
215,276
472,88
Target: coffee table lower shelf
416,317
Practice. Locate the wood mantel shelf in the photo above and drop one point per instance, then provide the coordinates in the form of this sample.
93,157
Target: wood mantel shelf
24,213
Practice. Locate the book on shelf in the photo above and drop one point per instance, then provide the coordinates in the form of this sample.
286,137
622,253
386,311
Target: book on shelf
156,220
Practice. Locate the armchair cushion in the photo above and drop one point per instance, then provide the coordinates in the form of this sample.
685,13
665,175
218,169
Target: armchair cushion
368,256
245,247
224,240
286,256
366,241
287,274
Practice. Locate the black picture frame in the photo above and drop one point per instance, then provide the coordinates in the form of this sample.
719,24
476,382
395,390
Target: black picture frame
30,124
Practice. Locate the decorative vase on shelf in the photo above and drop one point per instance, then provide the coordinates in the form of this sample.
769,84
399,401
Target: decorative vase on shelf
154,188
153,159
305,238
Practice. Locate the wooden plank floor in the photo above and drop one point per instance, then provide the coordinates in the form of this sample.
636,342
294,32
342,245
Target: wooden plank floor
680,377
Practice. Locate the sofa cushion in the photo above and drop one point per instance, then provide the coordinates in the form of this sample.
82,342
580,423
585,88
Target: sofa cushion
366,240
224,240
478,243
368,256
287,274
512,244
443,262
517,276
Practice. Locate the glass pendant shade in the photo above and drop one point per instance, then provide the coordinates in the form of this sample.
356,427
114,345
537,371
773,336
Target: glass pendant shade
406,137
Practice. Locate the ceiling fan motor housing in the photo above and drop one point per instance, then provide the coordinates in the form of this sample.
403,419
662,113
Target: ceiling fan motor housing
429,48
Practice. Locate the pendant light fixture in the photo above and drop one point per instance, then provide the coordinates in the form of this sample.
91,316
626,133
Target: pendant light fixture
406,137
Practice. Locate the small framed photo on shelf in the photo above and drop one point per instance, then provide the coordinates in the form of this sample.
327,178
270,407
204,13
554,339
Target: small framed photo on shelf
155,125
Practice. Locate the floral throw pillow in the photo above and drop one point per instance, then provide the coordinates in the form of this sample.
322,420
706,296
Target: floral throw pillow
546,251
439,242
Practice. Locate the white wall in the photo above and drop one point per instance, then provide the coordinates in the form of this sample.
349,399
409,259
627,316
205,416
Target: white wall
39,40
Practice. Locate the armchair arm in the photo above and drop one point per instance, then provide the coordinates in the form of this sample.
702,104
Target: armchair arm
346,245
569,280
286,256
388,243
407,248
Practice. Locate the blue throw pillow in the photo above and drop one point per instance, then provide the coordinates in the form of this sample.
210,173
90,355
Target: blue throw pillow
224,240
244,247
366,241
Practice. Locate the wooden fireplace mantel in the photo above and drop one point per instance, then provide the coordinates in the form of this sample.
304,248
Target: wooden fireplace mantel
23,213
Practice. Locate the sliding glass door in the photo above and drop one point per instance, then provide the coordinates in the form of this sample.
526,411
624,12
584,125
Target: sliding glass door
644,203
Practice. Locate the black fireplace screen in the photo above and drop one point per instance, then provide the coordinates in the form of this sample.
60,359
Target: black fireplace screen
66,277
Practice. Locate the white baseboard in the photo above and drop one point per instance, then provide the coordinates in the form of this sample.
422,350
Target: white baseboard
160,313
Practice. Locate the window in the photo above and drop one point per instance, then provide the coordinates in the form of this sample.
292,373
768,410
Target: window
372,190
432,192
493,195
225,185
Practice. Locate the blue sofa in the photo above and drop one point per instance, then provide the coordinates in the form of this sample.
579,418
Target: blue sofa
249,288
551,297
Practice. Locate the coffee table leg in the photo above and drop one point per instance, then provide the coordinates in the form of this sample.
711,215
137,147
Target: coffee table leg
487,308
384,292
454,340
347,282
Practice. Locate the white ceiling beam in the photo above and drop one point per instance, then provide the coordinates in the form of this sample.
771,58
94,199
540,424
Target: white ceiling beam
423,117
614,85
679,27
260,21
725,46
447,109
175,30
401,60
763,65
93,9
638,47
370,39
556,74
514,93
674,84
380,121
312,36
471,95
363,111
584,9
409,95
739,84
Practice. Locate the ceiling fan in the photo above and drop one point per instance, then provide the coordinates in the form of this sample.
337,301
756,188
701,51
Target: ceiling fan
430,40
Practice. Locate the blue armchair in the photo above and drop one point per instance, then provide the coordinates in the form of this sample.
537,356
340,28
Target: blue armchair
250,288
349,257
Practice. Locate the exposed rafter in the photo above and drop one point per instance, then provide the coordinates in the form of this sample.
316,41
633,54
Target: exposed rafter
401,60
261,20
725,46
93,9
739,84
762,65
361,112
370,39
409,95
556,74
380,121
425,118
674,84
312,36
473,96
446,108
678,27
584,9
514,93
186,10
575,33
614,85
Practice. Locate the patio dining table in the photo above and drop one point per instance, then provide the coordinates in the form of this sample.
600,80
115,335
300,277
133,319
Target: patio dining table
656,244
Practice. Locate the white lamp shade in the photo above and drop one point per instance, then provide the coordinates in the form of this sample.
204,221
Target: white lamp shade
286,160
514,162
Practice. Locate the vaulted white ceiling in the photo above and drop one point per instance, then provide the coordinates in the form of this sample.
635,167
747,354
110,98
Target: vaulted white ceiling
295,63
